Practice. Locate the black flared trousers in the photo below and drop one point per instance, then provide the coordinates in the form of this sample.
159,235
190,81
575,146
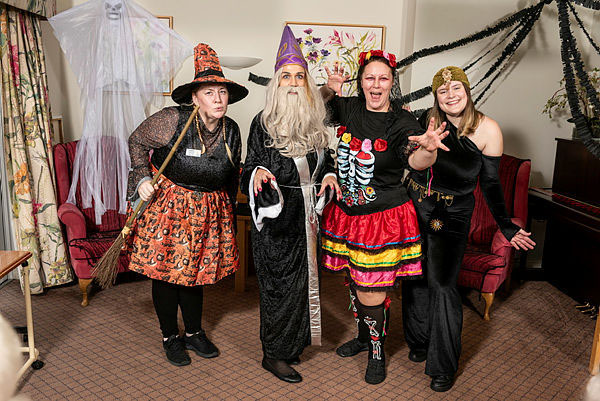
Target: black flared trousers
168,298
432,307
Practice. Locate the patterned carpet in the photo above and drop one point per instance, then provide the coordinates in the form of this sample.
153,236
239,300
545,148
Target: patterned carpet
536,347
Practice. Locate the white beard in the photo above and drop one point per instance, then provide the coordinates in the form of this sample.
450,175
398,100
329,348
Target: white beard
296,128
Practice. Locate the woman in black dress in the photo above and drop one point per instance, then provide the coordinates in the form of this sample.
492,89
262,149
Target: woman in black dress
443,197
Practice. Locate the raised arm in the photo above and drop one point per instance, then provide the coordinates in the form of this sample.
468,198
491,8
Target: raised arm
428,143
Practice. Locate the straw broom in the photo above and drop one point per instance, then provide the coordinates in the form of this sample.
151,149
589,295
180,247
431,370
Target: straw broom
106,269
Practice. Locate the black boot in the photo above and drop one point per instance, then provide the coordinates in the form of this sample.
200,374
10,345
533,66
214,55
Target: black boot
377,320
361,342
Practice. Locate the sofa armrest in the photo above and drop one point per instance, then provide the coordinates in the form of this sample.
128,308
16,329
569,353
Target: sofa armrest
500,245
73,219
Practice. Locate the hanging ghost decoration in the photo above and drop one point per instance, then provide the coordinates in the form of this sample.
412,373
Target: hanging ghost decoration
123,58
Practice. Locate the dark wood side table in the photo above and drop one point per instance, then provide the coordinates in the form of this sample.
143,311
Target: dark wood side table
9,260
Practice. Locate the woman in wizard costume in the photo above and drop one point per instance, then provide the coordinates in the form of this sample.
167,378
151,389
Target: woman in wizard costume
287,160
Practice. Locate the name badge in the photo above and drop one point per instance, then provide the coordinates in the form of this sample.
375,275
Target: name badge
193,152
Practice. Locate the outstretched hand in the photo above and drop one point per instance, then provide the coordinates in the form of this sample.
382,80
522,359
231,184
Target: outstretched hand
522,241
336,79
431,140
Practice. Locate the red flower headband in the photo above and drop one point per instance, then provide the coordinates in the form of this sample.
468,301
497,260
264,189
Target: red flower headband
390,57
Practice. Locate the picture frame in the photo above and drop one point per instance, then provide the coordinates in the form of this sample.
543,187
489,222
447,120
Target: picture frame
323,44
167,87
56,123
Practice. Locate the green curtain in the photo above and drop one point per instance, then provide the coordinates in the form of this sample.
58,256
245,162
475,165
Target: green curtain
28,148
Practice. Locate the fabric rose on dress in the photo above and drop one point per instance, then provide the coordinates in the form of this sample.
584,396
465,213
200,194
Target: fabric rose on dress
367,145
355,144
380,145
346,137
341,129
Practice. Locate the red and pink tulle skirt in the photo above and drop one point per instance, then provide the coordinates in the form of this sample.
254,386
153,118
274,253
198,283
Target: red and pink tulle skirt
376,250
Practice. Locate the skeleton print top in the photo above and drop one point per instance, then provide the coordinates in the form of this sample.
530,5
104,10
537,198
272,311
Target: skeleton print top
372,154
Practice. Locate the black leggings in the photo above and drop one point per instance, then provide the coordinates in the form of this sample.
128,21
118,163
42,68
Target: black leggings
167,297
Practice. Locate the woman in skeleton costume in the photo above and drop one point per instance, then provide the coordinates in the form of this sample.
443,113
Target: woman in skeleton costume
432,309
287,160
372,233
185,238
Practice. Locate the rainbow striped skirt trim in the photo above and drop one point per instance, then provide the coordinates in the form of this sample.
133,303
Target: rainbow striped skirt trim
376,250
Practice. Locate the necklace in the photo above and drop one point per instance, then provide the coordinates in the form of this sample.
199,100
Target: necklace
200,135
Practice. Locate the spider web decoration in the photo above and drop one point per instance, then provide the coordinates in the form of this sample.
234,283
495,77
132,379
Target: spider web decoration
517,27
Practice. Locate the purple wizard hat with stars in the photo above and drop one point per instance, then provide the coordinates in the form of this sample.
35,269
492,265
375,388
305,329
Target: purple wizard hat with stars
289,52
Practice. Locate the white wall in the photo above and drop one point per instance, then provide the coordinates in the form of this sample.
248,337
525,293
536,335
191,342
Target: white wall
231,27
253,28
518,100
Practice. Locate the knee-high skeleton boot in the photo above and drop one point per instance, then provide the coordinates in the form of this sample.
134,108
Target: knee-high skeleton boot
377,320
361,342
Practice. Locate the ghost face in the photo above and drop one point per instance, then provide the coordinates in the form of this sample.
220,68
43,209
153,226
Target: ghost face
113,9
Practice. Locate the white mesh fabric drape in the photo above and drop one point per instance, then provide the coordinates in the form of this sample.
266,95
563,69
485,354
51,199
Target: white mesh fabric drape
123,58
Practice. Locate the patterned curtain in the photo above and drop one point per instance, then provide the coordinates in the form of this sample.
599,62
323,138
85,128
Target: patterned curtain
28,148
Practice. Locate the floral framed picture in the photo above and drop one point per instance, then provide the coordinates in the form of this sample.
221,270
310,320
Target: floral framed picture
323,44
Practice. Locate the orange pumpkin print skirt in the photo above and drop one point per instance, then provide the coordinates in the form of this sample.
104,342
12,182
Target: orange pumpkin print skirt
185,237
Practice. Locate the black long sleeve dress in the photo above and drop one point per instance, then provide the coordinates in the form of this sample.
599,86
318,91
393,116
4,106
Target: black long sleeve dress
285,248
432,309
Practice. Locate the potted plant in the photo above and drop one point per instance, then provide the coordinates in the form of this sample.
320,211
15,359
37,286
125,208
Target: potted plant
557,106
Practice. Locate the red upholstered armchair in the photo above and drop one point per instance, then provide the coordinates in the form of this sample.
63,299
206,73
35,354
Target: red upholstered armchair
86,240
489,256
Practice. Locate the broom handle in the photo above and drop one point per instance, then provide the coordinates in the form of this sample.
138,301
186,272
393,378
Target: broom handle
126,229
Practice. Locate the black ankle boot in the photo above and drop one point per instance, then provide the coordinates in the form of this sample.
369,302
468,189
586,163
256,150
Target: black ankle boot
376,319
361,342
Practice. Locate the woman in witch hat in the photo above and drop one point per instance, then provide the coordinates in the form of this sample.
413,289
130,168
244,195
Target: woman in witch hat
185,238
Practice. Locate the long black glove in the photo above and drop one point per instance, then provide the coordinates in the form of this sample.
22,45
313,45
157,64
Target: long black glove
492,191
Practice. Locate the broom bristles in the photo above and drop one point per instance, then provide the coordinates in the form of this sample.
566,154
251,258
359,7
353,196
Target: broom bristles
106,269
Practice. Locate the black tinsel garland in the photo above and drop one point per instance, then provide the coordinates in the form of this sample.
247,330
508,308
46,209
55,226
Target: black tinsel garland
487,32
571,58
258,80
506,36
593,4
585,31
525,16
509,51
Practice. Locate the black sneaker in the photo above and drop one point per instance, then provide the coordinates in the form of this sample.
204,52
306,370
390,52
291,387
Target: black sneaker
352,348
201,345
175,351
